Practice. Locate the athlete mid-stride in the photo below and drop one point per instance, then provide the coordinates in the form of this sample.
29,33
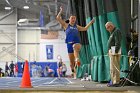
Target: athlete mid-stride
72,39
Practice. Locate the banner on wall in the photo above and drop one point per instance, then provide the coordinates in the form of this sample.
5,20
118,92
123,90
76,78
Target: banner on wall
49,51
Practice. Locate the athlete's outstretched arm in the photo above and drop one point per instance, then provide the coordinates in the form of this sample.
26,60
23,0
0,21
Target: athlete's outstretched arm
80,28
62,22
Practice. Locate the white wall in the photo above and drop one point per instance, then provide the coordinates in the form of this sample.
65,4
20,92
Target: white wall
7,35
59,47
28,44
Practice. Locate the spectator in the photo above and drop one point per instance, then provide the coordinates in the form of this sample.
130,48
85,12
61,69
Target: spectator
61,71
34,70
64,70
59,67
39,70
0,72
16,69
6,69
49,72
11,69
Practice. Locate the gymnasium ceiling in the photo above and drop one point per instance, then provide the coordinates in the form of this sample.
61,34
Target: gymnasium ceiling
50,7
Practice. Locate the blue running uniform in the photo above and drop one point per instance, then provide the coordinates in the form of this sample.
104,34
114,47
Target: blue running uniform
72,37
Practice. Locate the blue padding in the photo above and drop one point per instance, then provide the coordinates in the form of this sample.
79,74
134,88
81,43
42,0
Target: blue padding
52,65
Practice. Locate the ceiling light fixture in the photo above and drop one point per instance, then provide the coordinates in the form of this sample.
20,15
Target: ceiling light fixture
26,7
7,8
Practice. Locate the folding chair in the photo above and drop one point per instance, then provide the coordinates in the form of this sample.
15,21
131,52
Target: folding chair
129,73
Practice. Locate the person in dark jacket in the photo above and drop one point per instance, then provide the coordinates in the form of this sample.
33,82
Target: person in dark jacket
12,69
114,51
6,69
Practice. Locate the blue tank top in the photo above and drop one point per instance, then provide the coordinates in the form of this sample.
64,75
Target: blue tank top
72,34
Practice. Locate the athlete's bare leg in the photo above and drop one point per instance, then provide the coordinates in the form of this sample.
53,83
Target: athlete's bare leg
76,48
72,61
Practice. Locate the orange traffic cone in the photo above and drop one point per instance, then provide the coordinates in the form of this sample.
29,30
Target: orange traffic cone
26,82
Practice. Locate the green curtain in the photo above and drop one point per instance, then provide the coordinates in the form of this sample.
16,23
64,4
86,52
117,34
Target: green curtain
85,59
85,53
102,11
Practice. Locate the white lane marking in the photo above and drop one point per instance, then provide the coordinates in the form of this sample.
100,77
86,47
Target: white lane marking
12,82
40,79
61,85
68,80
37,80
46,83
52,80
